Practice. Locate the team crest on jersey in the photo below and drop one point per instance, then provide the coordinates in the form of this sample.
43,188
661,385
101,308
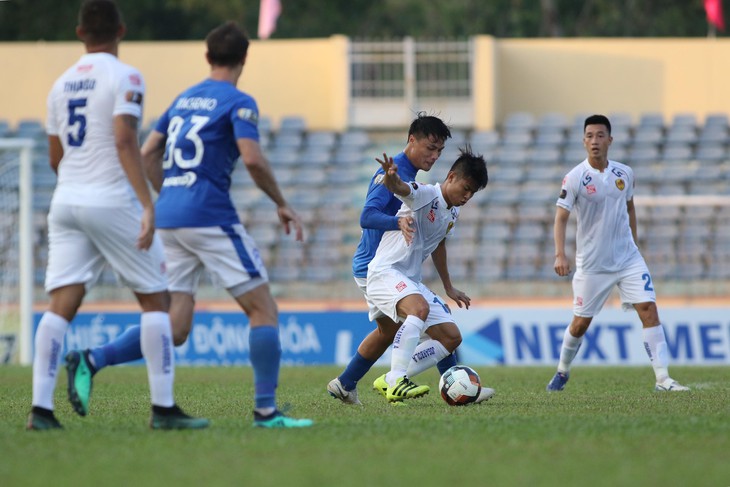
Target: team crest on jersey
620,184
431,216
401,286
448,228
591,188
134,97
248,115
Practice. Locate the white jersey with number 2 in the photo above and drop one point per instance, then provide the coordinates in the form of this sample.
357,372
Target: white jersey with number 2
604,242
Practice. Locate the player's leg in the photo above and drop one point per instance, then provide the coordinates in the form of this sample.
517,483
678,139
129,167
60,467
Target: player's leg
590,292
637,290
48,343
265,356
73,263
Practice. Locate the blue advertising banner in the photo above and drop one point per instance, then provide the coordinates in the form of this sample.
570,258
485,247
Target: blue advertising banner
491,336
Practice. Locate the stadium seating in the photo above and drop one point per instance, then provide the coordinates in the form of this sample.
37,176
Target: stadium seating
506,232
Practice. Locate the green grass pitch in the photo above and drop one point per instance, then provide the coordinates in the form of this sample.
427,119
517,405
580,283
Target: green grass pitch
608,428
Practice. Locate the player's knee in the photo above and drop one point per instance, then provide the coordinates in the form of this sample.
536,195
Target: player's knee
450,343
179,337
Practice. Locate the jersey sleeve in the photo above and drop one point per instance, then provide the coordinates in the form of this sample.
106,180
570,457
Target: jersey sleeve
631,185
245,118
568,192
420,195
130,94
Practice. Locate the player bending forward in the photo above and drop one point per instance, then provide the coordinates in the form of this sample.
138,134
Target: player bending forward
394,275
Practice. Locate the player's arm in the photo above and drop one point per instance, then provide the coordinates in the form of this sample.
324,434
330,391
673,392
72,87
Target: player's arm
631,209
375,217
152,152
261,173
438,256
562,266
125,138
55,152
392,180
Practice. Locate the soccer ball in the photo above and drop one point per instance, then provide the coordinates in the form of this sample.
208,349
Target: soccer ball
460,385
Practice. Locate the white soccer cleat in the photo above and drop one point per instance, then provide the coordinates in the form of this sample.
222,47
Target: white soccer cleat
670,384
484,395
337,391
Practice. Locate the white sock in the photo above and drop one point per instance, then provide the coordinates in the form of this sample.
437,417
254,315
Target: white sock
655,344
568,351
156,338
426,355
404,343
47,358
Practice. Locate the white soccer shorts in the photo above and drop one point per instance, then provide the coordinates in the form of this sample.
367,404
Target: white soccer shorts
385,289
228,253
83,238
590,291
373,312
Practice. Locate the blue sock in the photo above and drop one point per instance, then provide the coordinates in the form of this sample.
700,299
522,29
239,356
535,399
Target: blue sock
265,354
355,370
126,348
446,363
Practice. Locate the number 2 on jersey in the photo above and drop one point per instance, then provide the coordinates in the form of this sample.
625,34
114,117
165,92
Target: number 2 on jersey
173,153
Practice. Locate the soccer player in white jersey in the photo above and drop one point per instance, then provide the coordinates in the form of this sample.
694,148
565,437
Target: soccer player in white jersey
601,192
100,199
394,275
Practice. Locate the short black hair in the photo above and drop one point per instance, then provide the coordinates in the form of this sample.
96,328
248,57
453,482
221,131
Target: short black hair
428,125
471,166
100,20
227,44
597,120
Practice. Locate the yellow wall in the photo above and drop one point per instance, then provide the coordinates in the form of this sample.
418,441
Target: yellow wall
302,77
310,77
613,75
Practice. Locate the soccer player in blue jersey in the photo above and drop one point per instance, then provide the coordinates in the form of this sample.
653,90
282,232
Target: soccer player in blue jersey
189,159
426,139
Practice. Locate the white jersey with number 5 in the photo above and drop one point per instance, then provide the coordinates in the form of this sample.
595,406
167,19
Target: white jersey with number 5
81,108
604,242
432,220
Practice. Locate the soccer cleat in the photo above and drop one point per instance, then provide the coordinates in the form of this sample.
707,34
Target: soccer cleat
79,381
670,384
173,418
404,388
380,385
337,391
485,394
45,420
558,382
277,419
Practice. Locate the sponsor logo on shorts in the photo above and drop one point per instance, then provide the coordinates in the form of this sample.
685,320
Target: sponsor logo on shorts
620,184
579,300
401,286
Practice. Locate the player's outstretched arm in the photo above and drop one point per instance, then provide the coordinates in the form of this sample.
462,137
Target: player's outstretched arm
260,170
440,262
125,137
392,180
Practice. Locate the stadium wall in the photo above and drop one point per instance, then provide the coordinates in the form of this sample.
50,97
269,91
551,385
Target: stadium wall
310,77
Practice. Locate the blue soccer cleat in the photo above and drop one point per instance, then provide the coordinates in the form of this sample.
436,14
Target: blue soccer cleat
558,382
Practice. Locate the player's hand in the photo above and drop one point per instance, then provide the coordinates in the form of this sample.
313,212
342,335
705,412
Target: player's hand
405,223
288,217
389,167
462,300
562,266
147,230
